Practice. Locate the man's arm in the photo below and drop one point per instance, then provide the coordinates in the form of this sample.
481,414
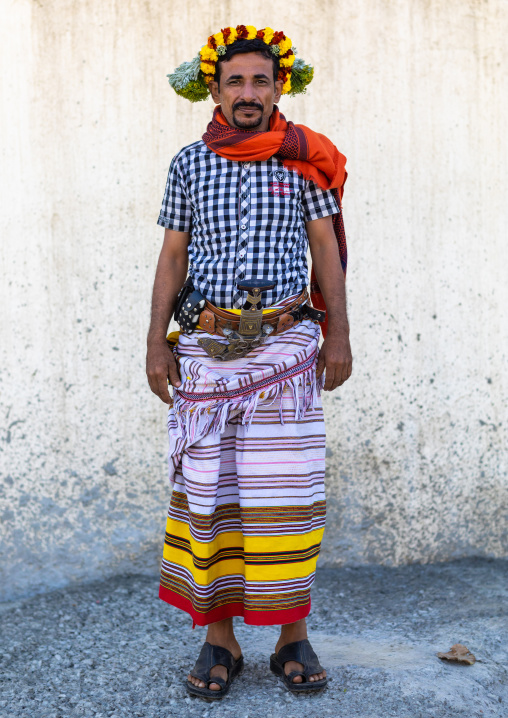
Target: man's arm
169,278
335,354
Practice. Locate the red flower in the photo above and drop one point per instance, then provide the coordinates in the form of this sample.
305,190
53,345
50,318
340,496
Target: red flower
212,43
226,33
287,54
277,37
260,34
242,32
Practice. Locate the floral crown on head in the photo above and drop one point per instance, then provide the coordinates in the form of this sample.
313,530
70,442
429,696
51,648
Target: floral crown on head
190,79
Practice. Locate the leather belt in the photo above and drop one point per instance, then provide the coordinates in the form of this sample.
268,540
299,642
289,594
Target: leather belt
252,327
214,320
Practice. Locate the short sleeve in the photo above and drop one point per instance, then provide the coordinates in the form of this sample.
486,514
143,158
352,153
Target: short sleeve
318,203
176,212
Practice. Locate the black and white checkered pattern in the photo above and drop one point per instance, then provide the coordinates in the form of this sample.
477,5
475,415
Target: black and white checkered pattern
246,219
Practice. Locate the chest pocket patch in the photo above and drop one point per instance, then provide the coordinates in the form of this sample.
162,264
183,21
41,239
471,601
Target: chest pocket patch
280,186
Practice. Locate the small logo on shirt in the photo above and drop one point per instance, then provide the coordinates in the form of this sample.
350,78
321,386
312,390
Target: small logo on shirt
280,188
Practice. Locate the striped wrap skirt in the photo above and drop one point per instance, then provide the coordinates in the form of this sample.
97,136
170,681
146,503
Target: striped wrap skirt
246,464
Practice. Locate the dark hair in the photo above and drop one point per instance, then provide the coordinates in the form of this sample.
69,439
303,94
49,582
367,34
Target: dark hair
242,47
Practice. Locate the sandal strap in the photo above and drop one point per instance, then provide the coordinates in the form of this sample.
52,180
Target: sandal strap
301,652
209,657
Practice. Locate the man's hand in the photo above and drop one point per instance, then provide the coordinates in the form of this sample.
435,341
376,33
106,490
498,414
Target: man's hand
161,366
169,277
335,357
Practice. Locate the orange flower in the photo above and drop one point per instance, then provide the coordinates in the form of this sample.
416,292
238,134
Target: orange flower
229,34
267,35
277,37
285,45
288,59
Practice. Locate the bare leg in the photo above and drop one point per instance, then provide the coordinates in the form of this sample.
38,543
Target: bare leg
295,632
220,634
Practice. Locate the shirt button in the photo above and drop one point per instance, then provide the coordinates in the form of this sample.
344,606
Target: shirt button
246,165
244,226
242,253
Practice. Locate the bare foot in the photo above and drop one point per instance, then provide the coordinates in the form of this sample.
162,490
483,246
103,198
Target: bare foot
220,634
288,634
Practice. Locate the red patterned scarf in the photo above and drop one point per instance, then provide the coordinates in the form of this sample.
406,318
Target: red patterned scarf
311,154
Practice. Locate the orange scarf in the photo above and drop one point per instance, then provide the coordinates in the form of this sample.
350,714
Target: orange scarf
311,154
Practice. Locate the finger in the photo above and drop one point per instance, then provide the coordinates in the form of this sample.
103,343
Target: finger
340,375
162,390
174,377
152,382
330,378
347,371
337,379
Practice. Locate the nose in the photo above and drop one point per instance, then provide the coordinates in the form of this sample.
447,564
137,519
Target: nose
248,93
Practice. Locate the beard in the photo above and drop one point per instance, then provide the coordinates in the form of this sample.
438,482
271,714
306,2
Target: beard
248,124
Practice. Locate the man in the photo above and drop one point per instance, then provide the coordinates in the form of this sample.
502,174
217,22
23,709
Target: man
247,441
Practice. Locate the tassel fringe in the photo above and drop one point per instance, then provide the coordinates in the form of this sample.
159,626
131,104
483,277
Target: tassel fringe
189,422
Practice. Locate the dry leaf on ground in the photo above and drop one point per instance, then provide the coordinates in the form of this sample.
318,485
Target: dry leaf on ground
458,653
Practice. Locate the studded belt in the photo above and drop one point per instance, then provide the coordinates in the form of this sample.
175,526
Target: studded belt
247,331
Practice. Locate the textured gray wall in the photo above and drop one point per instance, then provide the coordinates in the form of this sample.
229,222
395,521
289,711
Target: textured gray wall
414,93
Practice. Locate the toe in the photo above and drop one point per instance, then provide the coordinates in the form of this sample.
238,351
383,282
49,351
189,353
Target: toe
297,679
214,687
318,676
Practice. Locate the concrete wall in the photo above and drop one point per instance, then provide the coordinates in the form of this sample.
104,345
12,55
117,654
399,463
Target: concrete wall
414,93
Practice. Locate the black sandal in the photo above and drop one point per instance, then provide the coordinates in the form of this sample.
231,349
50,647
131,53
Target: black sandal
301,652
209,657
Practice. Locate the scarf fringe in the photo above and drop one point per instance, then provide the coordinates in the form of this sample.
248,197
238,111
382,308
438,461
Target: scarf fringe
189,422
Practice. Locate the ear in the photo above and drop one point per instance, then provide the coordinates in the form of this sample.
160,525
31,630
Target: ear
278,90
214,91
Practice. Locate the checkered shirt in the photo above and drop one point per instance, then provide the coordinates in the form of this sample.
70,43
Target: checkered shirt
246,220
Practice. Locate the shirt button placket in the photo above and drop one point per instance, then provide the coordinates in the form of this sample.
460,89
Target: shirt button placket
244,218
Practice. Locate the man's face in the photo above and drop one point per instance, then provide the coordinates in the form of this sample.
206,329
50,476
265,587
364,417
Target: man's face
247,91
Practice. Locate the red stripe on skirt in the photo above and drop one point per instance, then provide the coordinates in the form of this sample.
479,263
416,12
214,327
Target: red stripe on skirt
253,618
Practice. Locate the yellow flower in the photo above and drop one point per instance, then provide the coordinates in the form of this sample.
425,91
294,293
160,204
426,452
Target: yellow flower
286,87
208,53
285,45
287,61
233,35
252,32
208,79
207,68
219,38
268,36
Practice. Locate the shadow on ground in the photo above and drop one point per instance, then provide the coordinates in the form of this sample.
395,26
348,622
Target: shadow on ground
113,649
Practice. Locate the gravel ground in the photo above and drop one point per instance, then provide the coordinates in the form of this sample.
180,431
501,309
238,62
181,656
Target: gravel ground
113,649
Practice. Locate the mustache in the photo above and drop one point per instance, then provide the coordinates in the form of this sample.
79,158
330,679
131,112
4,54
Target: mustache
238,105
